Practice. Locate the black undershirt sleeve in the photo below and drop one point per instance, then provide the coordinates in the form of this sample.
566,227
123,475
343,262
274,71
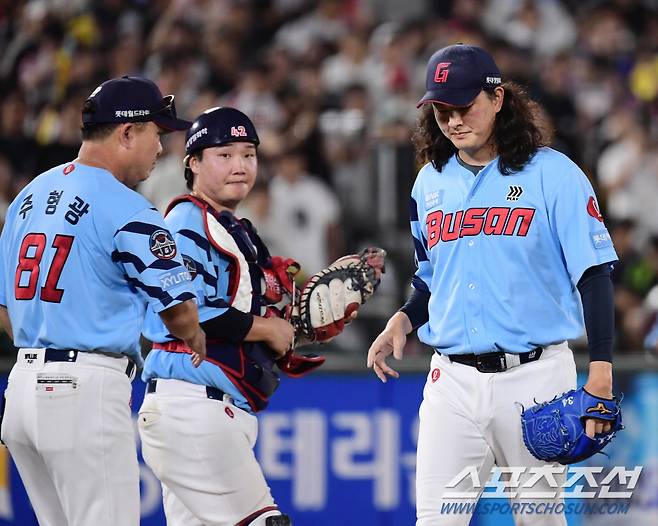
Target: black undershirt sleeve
416,308
597,294
232,325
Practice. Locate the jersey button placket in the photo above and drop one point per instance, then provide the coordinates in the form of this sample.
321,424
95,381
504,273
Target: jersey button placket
472,292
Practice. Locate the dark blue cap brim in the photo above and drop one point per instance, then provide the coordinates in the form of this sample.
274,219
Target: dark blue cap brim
450,97
169,123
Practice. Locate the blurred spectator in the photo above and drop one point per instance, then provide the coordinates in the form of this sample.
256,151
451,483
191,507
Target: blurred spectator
5,188
303,217
628,173
166,181
325,24
15,143
542,27
349,66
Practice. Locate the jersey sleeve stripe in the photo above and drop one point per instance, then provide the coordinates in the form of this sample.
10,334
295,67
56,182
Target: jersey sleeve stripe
421,253
419,284
154,292
138,227
184,296
128,257
197,239
208,278
413,209
219,303
164,264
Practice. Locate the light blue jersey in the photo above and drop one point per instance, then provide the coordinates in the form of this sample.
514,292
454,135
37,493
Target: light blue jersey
212,280
501,255
81,257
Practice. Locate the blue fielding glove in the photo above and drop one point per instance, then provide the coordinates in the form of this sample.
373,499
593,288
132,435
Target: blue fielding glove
554,431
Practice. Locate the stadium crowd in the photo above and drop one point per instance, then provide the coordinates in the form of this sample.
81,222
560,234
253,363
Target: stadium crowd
331,86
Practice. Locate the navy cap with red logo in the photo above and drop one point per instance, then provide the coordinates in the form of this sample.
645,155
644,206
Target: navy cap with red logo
131,99
457,74
217,126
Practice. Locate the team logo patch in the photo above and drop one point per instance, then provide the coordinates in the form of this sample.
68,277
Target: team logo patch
229,412
162,245
514,193
441,72
190,265
433,199
436,374
593,209
69,168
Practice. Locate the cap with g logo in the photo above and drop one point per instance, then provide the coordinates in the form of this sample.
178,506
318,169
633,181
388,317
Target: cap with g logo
457,74
131,99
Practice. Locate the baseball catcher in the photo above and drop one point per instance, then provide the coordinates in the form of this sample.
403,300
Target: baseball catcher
554,431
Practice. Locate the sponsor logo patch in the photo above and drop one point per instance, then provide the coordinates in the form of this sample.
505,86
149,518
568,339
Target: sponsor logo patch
162,245
433,199
172,278
229,412
436,374
601,239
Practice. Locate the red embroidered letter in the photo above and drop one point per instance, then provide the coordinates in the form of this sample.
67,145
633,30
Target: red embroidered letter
441,72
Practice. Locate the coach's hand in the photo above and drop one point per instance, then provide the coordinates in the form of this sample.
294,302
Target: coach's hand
599,383
197,344
390,341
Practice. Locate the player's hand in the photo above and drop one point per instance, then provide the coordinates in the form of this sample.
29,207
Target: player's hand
280,335
599,383
391,341
197,344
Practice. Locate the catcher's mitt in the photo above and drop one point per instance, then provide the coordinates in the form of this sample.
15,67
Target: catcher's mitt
333,295
554,431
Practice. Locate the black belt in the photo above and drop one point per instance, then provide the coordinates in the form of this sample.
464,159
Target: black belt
211,392
493,362
71,355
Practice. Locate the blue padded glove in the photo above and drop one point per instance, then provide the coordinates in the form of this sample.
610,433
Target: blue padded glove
554,431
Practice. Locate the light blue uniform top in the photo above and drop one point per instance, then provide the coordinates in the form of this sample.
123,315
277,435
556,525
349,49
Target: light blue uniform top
81,257
210,278
501,255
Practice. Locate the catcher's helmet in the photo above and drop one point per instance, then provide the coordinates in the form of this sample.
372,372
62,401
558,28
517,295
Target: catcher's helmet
218,126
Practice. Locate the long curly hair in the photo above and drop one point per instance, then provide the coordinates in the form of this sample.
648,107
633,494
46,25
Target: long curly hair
520,129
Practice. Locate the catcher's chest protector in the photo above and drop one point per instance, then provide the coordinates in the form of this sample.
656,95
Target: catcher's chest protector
249,365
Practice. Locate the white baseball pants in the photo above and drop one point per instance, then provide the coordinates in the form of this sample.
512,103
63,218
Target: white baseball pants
202,451
469,418
69,429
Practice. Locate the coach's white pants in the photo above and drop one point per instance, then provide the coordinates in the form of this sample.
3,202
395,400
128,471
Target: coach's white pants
69,429
469,418
202,452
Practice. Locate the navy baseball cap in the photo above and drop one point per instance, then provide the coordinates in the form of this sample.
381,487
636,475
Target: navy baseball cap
217,126
132,99
457,74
